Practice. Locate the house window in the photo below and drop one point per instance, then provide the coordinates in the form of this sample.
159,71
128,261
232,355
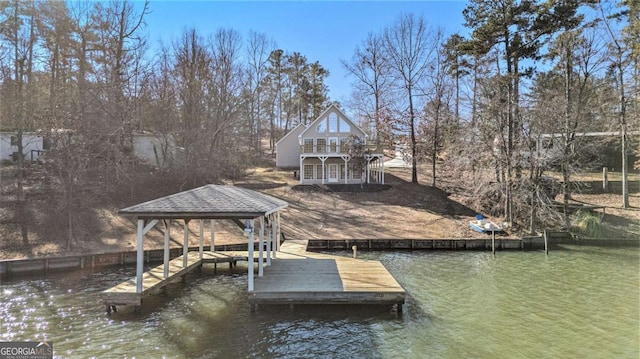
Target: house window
319,172
356,174
308,172
322,126
342,174
344,126
333,145
321,145
333,123
308,145
343,145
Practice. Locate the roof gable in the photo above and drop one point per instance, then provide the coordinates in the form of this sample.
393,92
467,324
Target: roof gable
325,113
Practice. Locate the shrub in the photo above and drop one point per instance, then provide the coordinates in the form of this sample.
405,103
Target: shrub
588,224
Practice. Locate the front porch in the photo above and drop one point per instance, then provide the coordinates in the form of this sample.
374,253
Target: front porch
336,169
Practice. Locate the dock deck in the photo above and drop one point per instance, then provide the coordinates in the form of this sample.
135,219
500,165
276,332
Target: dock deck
295,277
153,279
301,277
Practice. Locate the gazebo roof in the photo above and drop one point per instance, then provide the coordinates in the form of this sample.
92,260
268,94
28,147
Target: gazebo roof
207,202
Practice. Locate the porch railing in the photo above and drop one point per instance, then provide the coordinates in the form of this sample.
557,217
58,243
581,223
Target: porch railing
308,148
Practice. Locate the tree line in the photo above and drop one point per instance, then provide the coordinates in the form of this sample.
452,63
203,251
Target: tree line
83,75
487,100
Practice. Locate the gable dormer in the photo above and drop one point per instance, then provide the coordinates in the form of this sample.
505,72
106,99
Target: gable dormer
332,123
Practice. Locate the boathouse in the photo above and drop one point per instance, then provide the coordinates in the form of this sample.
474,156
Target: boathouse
204,204
287,273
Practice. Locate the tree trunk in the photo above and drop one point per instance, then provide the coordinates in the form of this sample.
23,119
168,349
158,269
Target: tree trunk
414,150
623,131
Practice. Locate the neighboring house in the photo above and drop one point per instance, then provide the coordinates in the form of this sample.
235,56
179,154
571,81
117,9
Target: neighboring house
149,148
32,144
156,150
550,146
319,153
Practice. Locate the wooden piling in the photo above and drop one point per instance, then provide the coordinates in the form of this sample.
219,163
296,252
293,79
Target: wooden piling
546,245
493,243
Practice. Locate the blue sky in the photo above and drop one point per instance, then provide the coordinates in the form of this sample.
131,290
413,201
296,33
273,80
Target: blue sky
324,31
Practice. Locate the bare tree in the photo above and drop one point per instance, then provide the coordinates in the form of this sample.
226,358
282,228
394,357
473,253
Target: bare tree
438,91
258,50
19,31
370,67
619,54
409,47
355,148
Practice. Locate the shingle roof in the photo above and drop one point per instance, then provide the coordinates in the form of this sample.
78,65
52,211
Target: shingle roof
208,202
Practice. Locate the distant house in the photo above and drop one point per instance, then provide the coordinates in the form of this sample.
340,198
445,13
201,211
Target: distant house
148,148
318,151
549,147
156,150
33,145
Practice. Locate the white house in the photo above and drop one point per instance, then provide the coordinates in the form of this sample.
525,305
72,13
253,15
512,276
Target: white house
149,148
32,144
319,153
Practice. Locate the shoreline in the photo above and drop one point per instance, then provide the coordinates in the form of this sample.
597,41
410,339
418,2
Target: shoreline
11,268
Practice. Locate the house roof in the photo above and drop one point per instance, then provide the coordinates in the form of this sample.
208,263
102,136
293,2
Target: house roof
290,132
325,112
207,202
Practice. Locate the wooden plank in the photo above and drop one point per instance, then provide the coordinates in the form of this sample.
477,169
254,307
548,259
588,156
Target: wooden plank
301,277
125,292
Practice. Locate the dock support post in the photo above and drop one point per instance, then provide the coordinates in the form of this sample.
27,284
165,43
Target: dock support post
382,158
167,235
213,238
185,244
250,255
605,180
278,234
269,241
139,257
201,239
274,231
260,248
546,244
493,243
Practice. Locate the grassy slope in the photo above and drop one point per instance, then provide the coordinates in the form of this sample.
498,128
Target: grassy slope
405,211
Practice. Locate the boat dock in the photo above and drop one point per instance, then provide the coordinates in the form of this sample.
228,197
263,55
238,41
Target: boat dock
154,279
302,277
296,276
286,272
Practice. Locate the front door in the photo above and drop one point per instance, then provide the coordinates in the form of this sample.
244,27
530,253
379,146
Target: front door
333,173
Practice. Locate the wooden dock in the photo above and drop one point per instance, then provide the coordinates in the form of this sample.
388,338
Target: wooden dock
125,292
301,277
294,277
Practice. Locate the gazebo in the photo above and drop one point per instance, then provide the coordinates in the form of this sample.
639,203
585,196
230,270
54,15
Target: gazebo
209,203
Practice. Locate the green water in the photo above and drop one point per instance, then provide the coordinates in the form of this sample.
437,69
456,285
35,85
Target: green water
579,302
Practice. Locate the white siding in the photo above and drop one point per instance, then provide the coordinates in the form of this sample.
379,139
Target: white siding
288,149
30,141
